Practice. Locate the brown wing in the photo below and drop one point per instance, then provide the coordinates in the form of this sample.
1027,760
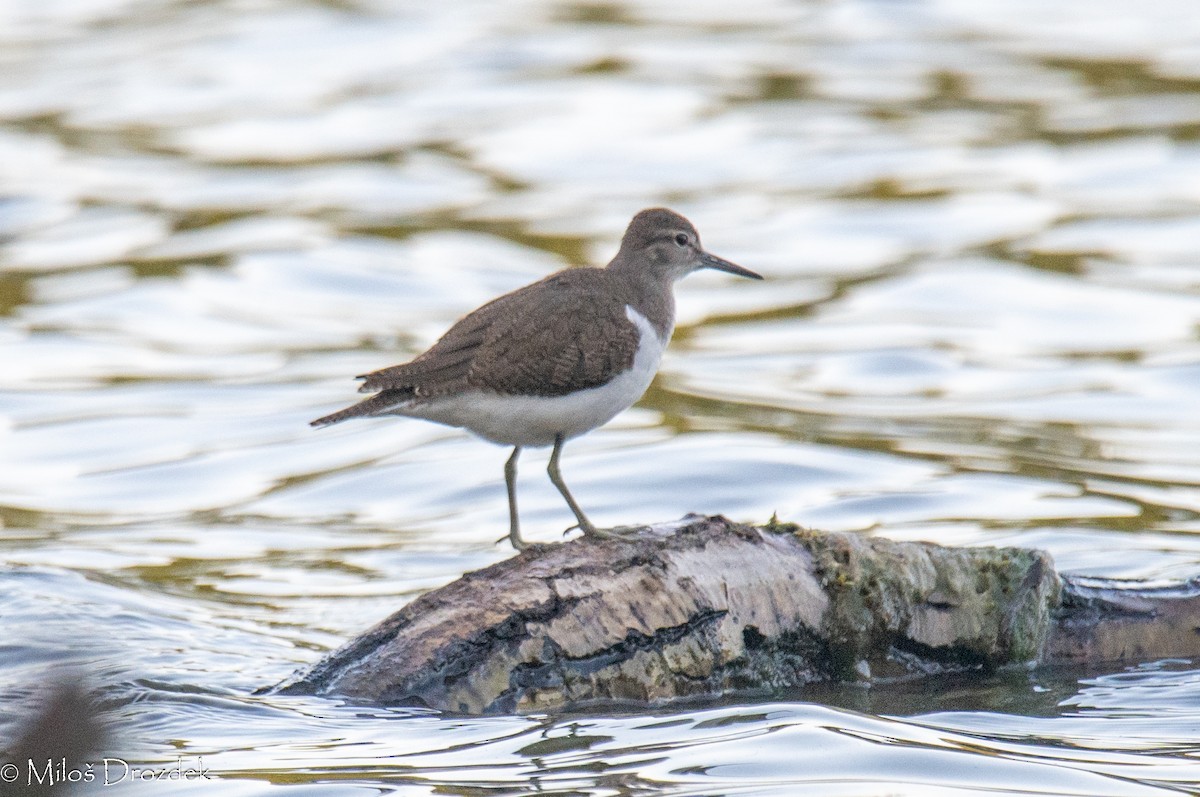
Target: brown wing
550,338
445,366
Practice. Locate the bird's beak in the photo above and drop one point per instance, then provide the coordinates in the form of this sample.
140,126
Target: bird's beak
712,261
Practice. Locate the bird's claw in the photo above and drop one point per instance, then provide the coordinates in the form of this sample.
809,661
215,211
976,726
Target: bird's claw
624,533
524,546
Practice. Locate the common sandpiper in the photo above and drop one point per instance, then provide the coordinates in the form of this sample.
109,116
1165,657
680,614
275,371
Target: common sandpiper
555,359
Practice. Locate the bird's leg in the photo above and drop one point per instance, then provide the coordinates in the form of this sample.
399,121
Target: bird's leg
584,524
510,481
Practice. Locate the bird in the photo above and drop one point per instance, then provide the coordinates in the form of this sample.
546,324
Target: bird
552,360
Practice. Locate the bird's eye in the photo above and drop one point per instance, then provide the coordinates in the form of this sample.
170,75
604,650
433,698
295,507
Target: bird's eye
681,239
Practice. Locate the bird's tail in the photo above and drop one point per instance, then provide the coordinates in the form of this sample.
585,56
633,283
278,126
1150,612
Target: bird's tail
375,405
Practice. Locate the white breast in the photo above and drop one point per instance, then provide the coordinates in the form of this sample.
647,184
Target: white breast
537,420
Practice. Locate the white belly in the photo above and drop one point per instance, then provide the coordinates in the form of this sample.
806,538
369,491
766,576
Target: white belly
537,420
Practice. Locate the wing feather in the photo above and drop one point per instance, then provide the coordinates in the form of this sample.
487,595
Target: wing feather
549,338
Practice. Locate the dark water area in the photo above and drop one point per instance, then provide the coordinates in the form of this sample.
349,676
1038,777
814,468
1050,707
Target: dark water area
978,224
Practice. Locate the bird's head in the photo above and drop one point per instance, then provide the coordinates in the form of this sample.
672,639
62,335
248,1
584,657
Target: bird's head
663,241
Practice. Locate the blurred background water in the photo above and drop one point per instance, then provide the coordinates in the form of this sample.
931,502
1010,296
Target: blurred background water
978,223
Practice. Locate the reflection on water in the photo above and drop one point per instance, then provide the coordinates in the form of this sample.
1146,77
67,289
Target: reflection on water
978,223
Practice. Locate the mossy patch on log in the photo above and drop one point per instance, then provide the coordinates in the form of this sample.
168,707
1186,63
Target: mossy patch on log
898,606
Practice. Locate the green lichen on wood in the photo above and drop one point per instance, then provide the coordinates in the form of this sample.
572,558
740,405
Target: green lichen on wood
947,607
777,526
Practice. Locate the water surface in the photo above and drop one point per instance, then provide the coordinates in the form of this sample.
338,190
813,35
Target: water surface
978,224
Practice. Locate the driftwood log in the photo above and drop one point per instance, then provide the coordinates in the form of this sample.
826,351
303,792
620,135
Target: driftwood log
707,607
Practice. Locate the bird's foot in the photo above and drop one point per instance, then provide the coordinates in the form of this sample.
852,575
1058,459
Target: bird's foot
523,546
625,533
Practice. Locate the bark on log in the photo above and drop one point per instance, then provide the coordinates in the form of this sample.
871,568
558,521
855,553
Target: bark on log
708,607
1115,620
